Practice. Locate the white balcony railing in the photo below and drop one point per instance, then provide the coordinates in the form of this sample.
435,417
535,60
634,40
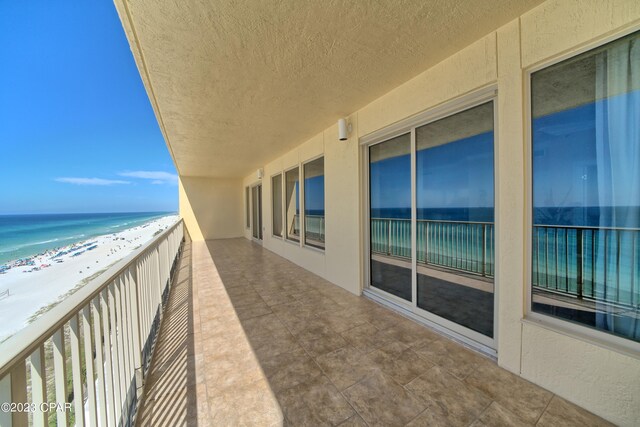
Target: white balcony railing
84,361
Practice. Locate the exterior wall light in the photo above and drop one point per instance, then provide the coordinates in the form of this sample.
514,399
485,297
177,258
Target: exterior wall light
344,129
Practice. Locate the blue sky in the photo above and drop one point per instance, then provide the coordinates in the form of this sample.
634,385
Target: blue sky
454,175
582,157
77,131
314,193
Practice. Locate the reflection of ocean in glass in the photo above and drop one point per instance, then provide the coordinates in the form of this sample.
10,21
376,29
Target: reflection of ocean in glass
585,253
390,188
451,242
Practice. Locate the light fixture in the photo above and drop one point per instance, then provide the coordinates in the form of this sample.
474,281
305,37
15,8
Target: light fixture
343,129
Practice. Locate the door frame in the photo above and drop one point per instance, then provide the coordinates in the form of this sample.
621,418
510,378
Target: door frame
410,308
257,186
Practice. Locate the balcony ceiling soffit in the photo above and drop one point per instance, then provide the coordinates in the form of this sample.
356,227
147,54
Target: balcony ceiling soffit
237,84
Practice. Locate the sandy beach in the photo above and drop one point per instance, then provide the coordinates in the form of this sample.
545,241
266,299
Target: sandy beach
49,276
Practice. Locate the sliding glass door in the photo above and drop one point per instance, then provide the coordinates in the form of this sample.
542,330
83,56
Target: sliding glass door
454,197
444,203
390,216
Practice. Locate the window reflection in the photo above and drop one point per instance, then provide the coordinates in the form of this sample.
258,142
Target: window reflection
586,197
455,231
314,203
390,216
276,205
292,201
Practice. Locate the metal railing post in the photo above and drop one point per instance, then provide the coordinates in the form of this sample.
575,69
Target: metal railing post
484,249
579,263
388,237
426,243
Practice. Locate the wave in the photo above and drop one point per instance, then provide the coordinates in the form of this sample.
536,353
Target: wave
12,236
43,242
26,245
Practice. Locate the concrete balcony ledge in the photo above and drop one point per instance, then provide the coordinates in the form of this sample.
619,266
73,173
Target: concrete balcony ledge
248,338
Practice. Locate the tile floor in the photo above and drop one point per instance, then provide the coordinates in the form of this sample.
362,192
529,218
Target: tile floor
249,338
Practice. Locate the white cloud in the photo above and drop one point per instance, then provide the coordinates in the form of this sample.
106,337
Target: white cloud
156,177
91,181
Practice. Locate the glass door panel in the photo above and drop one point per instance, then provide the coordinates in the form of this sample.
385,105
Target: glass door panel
256,212
455,218
390,216
259,211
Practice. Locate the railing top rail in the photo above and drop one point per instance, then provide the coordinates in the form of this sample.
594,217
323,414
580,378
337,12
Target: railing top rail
587,227
434,220
25,341
581,227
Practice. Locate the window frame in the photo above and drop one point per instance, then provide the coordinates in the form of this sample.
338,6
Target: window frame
247,209
282,205
303,228
451,107
297,242
593,336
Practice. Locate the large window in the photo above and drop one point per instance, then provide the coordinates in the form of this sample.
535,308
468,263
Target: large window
276,205
586,189
292,204
314,203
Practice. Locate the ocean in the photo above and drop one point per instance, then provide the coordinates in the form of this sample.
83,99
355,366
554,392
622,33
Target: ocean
592,252
26,235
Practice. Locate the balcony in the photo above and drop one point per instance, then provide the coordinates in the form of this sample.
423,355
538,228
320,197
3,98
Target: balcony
241,336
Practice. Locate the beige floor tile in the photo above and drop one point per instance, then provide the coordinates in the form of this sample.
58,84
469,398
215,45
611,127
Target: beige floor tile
315,403
345,366
450,401
354,421
497,416
272,365
411,334
323,345
365,338
381,401
453,357
253,405
561,413
243,325
399,362
519,396
254,310
293,374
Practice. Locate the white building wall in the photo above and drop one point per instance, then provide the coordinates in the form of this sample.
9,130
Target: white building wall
600,378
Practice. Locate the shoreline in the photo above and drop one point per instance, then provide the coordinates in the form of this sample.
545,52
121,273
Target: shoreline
32,285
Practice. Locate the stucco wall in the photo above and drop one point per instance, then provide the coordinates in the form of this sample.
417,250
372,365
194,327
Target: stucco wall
342,219
591,375
211,208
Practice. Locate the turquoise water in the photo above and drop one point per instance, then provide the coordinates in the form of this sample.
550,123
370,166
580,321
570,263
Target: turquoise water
26,235
606,268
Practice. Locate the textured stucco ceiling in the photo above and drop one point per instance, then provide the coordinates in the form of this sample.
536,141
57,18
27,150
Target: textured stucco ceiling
237,83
